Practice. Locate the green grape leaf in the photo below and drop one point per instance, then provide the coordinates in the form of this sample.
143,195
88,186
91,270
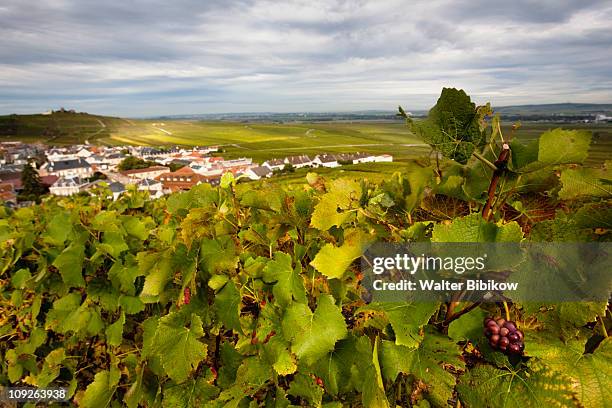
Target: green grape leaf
312,335
269,199
524,155
36,339
337,368
100,392
467,327
20,278
536,386
406,319
590,373
276,351
190,394
56,231
70,265
585,182
288,283
51,368
333,261
149,327
307,388
131,304
559,229
428,363
473,228
106,221
227,305
157,269
452,126
554,147
141,392
559,146
114,332
593,376
135,227
123,275
69,315
113,244
230,361
334,207
251,376
594,215
419,178
178,347
373,388
219,255
200,196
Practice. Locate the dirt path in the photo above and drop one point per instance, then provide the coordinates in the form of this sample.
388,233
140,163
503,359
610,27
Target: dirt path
163,130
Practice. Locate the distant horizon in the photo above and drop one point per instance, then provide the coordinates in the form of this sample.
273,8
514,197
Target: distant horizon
295,112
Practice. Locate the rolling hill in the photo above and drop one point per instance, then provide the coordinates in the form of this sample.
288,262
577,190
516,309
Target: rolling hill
557,109
58,127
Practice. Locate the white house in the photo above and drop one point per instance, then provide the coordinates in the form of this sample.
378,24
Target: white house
241,162
117,189
58,154
274,164
83,153
154,187
383,158
326,160
114,159
256,173
67,168
299,161
207,170
68,186
360,158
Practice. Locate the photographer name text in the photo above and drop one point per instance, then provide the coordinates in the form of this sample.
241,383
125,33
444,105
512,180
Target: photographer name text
431,285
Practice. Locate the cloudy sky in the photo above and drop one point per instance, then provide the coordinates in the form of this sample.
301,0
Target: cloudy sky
141,58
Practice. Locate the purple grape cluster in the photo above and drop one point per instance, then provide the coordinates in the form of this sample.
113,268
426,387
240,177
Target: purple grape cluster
504,336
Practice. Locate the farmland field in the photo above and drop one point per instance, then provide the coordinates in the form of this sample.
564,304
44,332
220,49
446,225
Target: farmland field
263,141
260,141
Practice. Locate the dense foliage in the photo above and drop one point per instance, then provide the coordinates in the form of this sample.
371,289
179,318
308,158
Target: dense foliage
210,298
32,187
133,163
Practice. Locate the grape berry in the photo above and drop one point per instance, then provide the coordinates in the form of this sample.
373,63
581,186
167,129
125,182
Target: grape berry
504,336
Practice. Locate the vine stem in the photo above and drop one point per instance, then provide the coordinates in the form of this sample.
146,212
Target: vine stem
485,161
500,164
603,327
506,310
465,310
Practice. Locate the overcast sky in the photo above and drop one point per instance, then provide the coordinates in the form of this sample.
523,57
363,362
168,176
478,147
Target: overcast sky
141,58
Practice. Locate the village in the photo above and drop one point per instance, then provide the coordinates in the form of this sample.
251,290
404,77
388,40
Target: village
70,170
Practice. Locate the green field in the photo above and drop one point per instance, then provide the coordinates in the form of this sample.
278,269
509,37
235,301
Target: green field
59,128
260,141
263,141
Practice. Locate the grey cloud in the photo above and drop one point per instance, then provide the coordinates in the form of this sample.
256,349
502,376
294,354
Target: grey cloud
188,56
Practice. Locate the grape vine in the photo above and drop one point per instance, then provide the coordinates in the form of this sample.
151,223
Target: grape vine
220,298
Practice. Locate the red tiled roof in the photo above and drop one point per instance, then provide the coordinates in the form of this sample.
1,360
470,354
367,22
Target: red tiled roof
4,187
183,171
48,180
